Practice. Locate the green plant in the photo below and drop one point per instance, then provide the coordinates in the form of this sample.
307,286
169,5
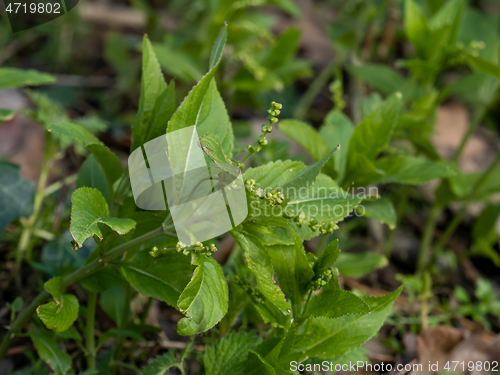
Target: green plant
137,253
487,302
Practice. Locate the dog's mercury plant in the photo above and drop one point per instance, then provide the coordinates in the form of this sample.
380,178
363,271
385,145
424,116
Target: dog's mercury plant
297,294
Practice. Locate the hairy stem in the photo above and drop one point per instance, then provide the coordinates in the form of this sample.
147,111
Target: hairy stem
72,278
89,330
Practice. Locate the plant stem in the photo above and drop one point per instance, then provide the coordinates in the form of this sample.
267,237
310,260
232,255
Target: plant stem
459,216
472,128
426,244
313,91
89,330
29,228
72,278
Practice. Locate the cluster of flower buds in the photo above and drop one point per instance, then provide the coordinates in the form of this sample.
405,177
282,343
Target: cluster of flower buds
302,220
274,197
458,52
255,293
273,111
320,281
198,247
336,88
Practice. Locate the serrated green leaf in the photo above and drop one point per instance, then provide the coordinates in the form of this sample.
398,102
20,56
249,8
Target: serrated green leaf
381,210
306,136
360,172
16,194
285,47
204,301
416,27
482,65
383,78
204,108
337,130
212,147
92,175
328,257
48,350
63,311
12,77
291,265
152,86
359,264
59,314
107,159
163,278
274,174
372,135
305,178
411,170
257,365
162,364
218,47
162,113
324,201
260,264
336,303
335,337
228,356
90,208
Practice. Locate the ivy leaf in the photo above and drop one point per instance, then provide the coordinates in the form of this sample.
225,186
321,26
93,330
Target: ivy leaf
163,278
337,130
12,78
153,85
335,337
372,135
336,303
205,299
411,170
228,356
16,195
328,257
360,264
108,160
305,177
274,174
259,263
162,364
48,350
90,208
218,47
61,313
381,210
